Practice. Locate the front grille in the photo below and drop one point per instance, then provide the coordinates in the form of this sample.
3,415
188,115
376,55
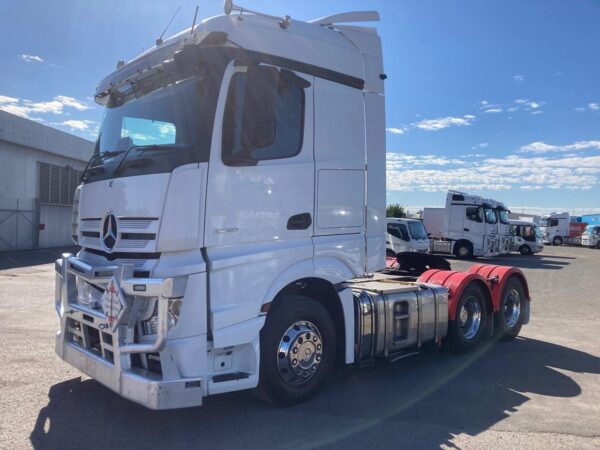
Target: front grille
134,233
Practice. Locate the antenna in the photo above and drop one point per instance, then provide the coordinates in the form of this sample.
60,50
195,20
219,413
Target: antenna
229,6
160,40
194,22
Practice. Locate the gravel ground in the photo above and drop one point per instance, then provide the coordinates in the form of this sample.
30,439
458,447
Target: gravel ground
539,391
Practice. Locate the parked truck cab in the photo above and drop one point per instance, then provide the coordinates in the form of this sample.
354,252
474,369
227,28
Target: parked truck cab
527,237
406,235
591,236
232,222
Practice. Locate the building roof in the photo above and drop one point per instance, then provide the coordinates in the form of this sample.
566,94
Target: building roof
28,133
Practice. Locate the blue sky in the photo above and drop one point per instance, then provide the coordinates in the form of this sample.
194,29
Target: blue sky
496,98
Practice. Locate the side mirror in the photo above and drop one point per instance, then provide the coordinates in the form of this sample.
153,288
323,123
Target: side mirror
260,101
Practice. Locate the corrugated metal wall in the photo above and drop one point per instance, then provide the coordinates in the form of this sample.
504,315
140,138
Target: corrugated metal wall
19,183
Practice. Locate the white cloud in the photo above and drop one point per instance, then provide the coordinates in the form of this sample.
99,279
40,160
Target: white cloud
72,102
444,122
30,58
594,106
25,108
542,147
492,174
78,125
533,113
493,110
518,77
530,105
396,130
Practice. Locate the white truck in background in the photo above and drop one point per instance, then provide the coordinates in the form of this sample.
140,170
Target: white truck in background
232,222
527,238
559,228
406,236
591,236
468,226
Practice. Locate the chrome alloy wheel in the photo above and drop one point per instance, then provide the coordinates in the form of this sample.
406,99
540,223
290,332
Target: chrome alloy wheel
512,308
470,317
299,353
463,251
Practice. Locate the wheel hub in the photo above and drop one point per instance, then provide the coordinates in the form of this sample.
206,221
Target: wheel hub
512,308
470,317
300,352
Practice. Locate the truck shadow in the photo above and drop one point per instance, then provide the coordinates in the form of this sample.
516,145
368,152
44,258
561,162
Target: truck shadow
524,262
421,402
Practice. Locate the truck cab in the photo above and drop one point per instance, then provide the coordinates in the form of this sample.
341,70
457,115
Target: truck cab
555,228
406,235
591,236
527,237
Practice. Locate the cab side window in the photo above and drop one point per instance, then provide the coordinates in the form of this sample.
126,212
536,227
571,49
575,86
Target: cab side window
398,230
553,223
264,116
474,214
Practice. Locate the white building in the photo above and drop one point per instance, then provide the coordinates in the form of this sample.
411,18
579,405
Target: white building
40,168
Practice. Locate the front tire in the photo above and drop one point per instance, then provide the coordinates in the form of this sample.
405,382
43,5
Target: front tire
509,319
297,350
557,241
466,331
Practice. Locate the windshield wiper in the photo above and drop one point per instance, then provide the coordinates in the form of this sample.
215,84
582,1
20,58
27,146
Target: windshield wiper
142,149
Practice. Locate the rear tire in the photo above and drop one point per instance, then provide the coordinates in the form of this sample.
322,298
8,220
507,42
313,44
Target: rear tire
557,241
509,319
297,350
463,250
466,331
525,250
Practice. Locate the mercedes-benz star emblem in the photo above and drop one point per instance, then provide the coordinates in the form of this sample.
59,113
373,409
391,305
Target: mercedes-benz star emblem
109,231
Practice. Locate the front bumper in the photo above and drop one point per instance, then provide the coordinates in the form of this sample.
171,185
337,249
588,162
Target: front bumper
104,347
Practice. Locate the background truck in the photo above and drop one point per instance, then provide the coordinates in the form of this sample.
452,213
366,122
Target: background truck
527,237
559,228
468,226
232,222
591,236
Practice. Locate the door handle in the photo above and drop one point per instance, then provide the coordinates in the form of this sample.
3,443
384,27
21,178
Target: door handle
299,221
226,230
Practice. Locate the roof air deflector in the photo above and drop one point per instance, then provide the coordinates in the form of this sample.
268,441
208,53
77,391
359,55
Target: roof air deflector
354,16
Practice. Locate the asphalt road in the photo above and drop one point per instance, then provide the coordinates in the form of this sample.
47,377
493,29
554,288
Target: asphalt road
539,391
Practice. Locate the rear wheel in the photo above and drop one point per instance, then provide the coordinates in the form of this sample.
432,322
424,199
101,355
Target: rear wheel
557,241
297,350
468,327
525,250
463,250
509,319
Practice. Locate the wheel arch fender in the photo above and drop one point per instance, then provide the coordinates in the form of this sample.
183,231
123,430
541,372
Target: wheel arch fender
456,283
497,277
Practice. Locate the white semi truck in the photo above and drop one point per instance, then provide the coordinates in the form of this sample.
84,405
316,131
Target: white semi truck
406,236
468,226
559,228
591,236
232,222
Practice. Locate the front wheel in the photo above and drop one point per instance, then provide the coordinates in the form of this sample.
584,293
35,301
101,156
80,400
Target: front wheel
467,329
509,319
557,241
297,350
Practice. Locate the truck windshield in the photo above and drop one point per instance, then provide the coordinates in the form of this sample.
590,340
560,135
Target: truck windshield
503,215
538,232
156,132
544,223
417,230
490,215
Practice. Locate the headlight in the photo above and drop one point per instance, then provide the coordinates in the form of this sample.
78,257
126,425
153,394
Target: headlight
150,326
